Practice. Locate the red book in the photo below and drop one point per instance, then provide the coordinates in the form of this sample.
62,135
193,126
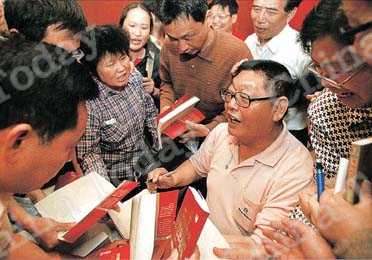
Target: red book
121,252
99,211
166,213
171,122
189,223
165,218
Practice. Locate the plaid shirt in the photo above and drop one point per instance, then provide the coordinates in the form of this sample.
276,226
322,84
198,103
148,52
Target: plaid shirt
114,138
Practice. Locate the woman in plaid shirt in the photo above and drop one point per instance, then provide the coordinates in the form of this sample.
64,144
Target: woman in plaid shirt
114,138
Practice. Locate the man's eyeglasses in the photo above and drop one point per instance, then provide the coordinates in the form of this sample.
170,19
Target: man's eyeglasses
242,99
351,32
317,71
218,16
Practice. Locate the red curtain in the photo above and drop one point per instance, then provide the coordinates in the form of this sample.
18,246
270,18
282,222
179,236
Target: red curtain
108,12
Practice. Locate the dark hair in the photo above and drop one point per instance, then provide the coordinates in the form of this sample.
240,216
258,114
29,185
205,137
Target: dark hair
325,19
134,6
32,17
170,10
278,78
231,4
153,6
108,39
292,4
41,85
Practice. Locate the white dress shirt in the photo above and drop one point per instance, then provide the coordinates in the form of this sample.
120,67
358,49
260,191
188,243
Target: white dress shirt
285,49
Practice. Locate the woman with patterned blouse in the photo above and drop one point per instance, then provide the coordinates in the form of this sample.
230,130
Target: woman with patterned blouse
114,139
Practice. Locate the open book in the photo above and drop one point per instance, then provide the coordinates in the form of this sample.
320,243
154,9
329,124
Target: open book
360,167
84,201
151,221
171,122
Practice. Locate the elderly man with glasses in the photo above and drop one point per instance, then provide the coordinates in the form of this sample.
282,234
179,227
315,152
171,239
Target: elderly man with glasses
254,167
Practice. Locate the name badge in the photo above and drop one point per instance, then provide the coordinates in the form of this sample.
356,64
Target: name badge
112,121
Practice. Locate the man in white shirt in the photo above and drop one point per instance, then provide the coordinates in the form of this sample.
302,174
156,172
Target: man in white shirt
275,40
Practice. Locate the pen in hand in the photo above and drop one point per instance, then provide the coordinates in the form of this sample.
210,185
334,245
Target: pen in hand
319,178
152,186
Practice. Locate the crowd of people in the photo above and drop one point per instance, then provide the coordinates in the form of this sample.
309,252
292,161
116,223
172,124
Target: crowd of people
86,98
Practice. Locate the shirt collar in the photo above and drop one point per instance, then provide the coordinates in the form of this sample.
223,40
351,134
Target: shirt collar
207,52
104,90
272,154
276,42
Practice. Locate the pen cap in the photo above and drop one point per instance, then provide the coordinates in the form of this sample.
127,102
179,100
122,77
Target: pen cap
318,165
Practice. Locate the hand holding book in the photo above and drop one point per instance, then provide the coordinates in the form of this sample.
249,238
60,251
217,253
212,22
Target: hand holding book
194,130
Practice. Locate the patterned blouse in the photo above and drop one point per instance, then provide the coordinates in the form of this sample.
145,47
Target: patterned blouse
114,139
332,128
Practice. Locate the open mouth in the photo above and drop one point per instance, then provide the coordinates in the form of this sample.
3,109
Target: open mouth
260,30
122,78
233,119
136,42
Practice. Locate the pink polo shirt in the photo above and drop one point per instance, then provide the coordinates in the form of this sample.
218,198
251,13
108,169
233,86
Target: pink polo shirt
244,198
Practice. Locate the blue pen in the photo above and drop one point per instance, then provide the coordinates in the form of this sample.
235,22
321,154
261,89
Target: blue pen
319,178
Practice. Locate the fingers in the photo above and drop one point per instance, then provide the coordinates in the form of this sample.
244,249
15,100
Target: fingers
236,66
239,240
273,249
160,178
117,208
280,238
155,174
226,253
239,253
64,226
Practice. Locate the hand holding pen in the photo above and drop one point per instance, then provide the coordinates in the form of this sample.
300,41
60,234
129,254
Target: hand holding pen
160,178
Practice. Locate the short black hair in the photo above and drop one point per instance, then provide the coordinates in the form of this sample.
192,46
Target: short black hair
131,6
231,4
109,39
32,17
41,85
325,19
153,6
171,10
278,78
292,4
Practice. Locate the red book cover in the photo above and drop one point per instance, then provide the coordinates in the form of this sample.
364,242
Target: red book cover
166,213
175,126
99,212
189,223
165,218
121,252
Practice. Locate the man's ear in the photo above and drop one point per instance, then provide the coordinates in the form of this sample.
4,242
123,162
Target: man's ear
291,14
280,108
15,138
234,18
